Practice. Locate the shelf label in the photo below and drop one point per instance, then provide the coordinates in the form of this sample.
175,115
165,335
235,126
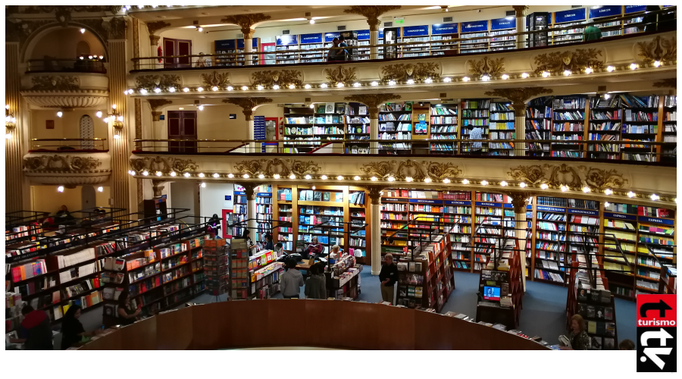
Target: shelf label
620,216
363,35
311,38
475,26
634,8
570,15
416,31
240,193
605,11
264,194
254,43
551,209
393,199
656,220
486,204
503,23
225,44
426,201
457,202
329,37
287,39
440,29
583,212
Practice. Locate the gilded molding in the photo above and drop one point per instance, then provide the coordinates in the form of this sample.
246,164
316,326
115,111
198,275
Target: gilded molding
116,28
417,72
155,26
578,60
658,49
375,194
246,22
373,101
55,83
520,10
519,200
270,167
248,104
163,164
574,177
666,83
157,187
372,13
157,103
340,74
60,163
283,78
149,82
486,66
410,168
519,96
215,78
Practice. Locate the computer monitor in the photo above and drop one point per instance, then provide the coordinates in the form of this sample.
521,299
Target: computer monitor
491,293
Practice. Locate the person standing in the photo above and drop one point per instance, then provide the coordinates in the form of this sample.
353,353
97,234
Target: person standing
292,281
127,314
388,276
334,51
72,329
35,329
316,285
591,33
344,54
268,242
249,243
476,134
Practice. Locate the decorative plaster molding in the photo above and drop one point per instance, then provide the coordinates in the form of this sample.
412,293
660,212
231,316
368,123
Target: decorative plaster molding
270,167
520,10
345,75
283,78
519,96
416,71
60,163
153,27
486,66
575,177
165,81
658,49
248,104
157,103
246,22
66,99
666,83
560,61
519,200
220,79
373,101
116,28
372,13
55,83
410,168
375,194
163,164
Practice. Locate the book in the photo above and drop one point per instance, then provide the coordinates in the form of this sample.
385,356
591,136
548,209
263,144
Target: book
591,311
609,343
610,329
600,313
608,313
326,196
595,343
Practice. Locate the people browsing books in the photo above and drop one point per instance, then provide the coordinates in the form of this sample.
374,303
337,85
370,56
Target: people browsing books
291,281
316,284
476,134
249,243
388,276
127,314
35,332
335,254
72,329
335,53
63,213
279,249
577,338
591,33
268,242
314,248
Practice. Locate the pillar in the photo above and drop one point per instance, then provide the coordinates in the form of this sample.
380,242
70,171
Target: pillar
248,48
248,105
375,229
519,127
372,14
520,223
16,186
252,223
374,131
119,148
373,41
247,23
521,25
154,28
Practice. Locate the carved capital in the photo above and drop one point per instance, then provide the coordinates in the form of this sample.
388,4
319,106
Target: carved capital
418,72
158,186
282,78
154,40
155,26
372,13
215,78
248,104
519,96
116,28
156,115
375,194
520,10
246,22
658,49
249,190
158,103
519,200
373,102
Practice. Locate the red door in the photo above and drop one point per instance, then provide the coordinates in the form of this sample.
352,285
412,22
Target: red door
182,125
176,47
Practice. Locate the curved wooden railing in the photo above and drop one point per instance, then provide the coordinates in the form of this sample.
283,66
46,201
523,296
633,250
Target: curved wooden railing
311,323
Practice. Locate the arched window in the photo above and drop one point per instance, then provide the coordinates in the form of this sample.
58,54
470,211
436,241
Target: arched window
87,130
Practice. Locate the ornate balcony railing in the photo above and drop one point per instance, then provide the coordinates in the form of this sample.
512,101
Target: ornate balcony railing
66,65
614,28
659,153
69,145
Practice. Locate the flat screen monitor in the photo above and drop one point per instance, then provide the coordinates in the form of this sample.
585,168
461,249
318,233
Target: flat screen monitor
491,293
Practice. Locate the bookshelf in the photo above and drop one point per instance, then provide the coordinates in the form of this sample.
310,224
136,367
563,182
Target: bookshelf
501,128
457,212
395,124
264,273
669,129
323,205
668,284
363,53
501,31
475,113
329,121
238,269
241,210
357,128
299,136
263,211
488,226
412,34
312,42
441,34
444,126
155,208
343,278
568,125
606,124
215,267
476,31
287,49
620,223
539,126
394,219
284,206
640,124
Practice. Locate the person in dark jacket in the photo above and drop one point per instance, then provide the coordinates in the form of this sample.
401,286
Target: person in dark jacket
316,285
388,277
268,242
35,329
72,329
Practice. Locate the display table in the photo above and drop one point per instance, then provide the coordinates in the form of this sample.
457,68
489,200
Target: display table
358,326
496,315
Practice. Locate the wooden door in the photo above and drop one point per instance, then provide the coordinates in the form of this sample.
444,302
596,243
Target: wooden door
168,50
182,125
176,47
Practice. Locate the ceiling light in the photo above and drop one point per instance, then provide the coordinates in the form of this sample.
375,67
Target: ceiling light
244,88
131,172
100,189
633,66
308,177
276,176
307,86
567,72
172,173
230,88
171,89
524,75
339,85
356,178
465,181
610,69
606,204
200,107
391,82
312,106
657,63
292,176
323,177
259,87
200,29
586,189
408,179
427,180
157,90
374,84
246,176
588,70
465,79
185,89
145,173
186,175
374,179
200,89
82,30
312,22
607,96
275,86
216,175
631,194
447,80
323,85
503,183
654,197
116,136
564,188
522,185
214,88
98,114
339,177
203,185
60,113
356,84
143,91
60,189
428,81
446,180
544,186
230,175
484,182
292,86
485,78
608,191
158,173
391,179
261,176
201,175
410,81
545,74
505,77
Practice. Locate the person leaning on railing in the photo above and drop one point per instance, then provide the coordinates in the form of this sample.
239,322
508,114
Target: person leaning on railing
591,33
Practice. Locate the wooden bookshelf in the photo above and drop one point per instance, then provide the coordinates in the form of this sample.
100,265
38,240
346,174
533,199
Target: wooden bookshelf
475,113
501,128
444,125
568,125
539,126
395,124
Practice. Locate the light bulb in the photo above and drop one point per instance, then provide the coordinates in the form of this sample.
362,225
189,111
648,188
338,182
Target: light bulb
606,204
503,183
631,194
159,173
292,176
544,186
427,180
60,114
633,66
185,89
567,72
276,176
339,85
545,74
100,189
171,89
564,188
186,175
131,172
356,84
145,173
588,70
203,185
657,63
524,75
586,189
408,179
391,179
374,84
98,114
446,180
261,176
607,96
172,173
200,107
323,177
485,78
200,89
245,176
157,90
410,81
323,85
505,77
312,106
307,86
608,191
428,81
484,182
654,197
214,88
610,69
312,22
200,29
447,80
356,178
308,177
391,82
522,185
465,79
230,175
230,88
374,179
116,136
82,30
60,189
216,175
292,86
465,181
275,87
339,177
244,88
106,120
143,91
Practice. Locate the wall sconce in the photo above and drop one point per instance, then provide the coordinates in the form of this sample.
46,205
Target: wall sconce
10,122
115,117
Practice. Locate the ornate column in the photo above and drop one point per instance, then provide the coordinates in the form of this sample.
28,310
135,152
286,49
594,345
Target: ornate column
157,124
157,187
519,201
248,105
15,185
252,223
520,25
373,102
519,97
119,148
375,228
153,28
247,22
372,13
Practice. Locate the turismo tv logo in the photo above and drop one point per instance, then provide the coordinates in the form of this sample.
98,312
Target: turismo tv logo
656,333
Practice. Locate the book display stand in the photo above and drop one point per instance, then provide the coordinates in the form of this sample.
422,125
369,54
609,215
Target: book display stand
216,262
343,278
239,269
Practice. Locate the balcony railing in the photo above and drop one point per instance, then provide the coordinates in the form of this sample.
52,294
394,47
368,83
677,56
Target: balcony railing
661,153
428,46
83,64
74,145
